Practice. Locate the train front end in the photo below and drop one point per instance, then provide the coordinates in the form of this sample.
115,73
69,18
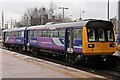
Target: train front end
98,38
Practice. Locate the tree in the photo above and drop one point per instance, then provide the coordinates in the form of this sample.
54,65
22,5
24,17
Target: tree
38,16
52,8
34,16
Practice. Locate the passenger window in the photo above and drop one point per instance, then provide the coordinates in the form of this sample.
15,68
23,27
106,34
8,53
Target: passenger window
31,33
46,35
61,33
39,33
78,33
35,33
49,33
55,33
91,34
22,33
43,33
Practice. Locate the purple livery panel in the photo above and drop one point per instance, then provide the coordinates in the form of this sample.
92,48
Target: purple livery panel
15,40
45,42
77,50
10,40
19,40
52,44
49,43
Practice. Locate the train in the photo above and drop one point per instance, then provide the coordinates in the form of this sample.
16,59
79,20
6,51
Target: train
92,40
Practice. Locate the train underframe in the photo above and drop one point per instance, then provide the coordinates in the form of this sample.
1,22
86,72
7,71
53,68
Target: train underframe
68,57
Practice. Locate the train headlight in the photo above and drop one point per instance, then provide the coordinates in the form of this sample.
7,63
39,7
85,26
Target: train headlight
112,45
91,45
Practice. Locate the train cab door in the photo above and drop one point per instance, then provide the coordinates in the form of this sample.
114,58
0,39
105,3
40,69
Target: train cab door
69,42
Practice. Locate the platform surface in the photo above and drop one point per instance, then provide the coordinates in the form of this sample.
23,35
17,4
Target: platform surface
15,65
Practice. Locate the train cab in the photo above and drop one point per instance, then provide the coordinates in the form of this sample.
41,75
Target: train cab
98,38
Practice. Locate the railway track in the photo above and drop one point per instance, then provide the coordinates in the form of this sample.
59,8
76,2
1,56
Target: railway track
110,73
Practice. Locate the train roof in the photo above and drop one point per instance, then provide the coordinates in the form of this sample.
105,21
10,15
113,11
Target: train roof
60,25
36,27
14,29
66,25
79,24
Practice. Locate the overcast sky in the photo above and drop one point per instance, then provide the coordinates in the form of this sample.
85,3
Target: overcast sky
14,9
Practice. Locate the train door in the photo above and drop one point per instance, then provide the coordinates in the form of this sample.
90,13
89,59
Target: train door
25,39
69,36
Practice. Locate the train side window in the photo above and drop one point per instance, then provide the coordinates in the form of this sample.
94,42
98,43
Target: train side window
49,33
46,34
91,34
22,33
61,33
18,33
14,33
101,34
31,33
78,33
35,33
55,33
43,33
10,33
39,33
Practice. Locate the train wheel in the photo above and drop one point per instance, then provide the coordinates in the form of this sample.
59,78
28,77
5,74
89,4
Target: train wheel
70,58
8,47
20,48
34,52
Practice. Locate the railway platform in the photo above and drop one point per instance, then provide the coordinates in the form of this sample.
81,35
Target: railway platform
15,65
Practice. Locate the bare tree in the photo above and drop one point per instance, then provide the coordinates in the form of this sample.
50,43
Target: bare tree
52,8
25,20
34,16
38,16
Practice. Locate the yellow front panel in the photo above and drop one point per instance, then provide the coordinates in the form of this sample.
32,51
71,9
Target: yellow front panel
100,48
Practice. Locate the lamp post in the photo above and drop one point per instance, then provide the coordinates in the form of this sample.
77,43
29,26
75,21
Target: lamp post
63,8
108,10
2,20
81,14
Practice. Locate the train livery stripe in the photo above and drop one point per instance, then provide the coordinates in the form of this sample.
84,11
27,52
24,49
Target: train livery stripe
77,46
57,42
